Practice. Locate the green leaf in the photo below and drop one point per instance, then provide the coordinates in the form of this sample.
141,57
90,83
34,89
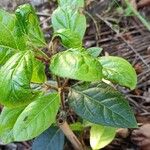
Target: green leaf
77,3
5,54
29,25
77,126
8,118
75,64
100,136
38,75
94,51
52,138
69,38
11,35
68,18
118,70
15,77
36,117
102,104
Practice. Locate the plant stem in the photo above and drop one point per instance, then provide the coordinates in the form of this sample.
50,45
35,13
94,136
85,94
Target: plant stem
61,93
70,135
52,46
50,86
62,119
65,83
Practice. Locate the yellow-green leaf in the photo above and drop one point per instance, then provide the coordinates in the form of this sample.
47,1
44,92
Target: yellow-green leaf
38,75
15,77
8,118
101,136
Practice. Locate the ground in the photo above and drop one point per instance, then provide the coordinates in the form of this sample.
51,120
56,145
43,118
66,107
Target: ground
120,33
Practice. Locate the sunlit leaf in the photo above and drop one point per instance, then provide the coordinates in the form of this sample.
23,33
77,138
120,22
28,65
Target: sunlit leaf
29,24
68,18
5,54
76,3
69,38
119,70
36,117
8,118
100,136
38,75
15,77
75,64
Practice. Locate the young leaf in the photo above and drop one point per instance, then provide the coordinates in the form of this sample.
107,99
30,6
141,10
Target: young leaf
77,65
52,138
8,118
94,51
68,18
69,38
38,75
36,117
29,25
76,3
102,104
118,70
100,136
15,77
12,37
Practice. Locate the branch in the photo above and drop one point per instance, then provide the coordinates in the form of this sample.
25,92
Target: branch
70,135
61,93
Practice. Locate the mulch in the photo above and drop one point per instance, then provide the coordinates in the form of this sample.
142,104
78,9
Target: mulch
127,38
